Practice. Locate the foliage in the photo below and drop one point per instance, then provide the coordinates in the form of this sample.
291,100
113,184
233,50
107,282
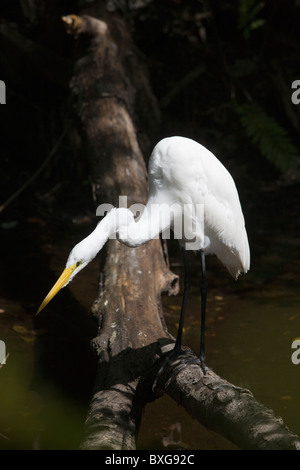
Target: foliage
270,137
248,19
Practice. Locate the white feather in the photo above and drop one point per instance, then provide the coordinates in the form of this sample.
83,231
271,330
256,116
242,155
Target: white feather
182,172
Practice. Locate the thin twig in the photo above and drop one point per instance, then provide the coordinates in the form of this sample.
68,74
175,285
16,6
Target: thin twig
34,176
182,84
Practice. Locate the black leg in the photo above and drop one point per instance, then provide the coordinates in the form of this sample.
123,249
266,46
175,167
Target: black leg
203,309
187,283
177,348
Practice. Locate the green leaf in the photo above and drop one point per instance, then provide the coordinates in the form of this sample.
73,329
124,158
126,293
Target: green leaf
248,11
270,137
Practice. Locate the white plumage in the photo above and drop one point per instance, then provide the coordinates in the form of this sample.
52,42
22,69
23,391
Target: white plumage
181,174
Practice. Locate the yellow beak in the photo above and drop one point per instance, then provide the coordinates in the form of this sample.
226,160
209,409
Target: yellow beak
57,286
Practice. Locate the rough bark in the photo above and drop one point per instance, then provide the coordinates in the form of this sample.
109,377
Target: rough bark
128,308
225,408
132,334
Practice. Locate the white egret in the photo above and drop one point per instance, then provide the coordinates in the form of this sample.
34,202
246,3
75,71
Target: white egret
191,192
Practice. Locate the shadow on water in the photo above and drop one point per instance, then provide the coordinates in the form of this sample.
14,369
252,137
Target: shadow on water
47,379
251,325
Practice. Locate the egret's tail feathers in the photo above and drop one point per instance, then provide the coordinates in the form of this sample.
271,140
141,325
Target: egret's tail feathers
245,255
236,261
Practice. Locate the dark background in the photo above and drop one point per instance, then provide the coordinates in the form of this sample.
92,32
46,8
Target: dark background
221,73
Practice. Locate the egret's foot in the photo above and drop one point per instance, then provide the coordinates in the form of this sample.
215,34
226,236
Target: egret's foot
202,364
170,356
182,363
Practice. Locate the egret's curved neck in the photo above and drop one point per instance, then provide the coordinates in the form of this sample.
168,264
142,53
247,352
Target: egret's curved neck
120,224
108,226
155,219
88,248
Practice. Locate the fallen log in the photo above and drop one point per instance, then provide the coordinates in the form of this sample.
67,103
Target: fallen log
133,338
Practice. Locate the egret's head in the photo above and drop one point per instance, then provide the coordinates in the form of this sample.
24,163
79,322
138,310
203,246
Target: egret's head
88,248
79,257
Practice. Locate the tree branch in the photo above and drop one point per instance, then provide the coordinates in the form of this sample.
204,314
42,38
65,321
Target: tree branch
225,408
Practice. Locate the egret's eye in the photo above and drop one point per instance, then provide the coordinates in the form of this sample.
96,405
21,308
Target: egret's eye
78,263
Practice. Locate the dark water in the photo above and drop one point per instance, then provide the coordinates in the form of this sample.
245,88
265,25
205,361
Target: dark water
249,338
251,325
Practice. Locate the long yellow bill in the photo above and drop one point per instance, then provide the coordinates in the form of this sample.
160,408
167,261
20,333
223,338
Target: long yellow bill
57,286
